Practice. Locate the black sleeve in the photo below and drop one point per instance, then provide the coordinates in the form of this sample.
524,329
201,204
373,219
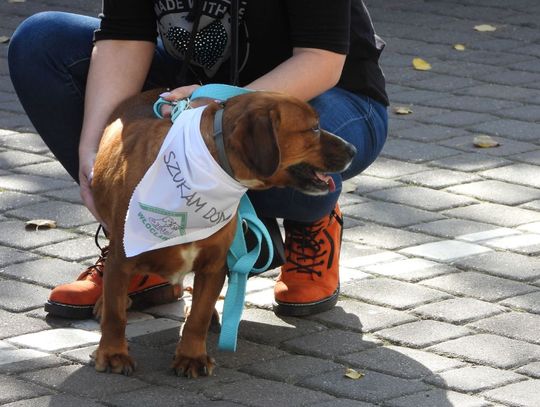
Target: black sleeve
127,20
320,24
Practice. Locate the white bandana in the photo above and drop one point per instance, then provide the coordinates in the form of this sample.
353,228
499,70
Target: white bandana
184,196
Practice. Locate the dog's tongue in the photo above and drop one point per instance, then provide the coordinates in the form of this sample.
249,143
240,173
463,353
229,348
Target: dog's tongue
327,179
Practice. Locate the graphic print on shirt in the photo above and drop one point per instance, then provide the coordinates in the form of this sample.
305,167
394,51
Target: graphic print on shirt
213,39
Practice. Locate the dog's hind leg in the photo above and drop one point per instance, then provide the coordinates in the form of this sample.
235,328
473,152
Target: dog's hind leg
191,359
112,353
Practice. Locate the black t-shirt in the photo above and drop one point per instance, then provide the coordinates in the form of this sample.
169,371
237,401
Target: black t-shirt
268,31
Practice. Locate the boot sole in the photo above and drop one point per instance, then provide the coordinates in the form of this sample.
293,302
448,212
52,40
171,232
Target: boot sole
302,310
157,295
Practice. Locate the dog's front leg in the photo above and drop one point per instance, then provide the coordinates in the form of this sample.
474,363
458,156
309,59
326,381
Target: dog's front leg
191,359
112,353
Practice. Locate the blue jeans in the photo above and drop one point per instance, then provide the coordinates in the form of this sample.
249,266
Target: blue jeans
49,56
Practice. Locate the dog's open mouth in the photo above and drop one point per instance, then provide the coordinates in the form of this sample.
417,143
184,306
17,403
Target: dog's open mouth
311,179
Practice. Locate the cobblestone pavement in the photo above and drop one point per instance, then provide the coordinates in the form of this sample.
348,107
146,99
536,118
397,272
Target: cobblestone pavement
440,272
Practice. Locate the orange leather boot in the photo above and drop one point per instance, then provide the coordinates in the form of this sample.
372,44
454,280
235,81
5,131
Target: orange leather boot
309,280
76,300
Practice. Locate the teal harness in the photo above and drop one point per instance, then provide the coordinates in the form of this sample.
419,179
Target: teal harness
240,261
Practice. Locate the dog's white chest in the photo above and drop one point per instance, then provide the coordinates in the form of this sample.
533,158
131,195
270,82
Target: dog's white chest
189,254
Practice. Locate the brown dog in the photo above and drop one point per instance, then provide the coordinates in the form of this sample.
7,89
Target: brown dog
271,140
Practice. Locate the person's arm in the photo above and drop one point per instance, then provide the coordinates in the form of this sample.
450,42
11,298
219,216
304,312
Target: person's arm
308,73
118,69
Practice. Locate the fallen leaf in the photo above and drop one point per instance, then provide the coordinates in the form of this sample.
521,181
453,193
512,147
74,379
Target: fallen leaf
485,141
353,374
4,39
402,110
36,224
420,64
485,28
459,47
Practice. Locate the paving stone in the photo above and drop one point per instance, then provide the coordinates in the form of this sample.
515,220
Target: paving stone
14,324
438,179
22,360
438,398
491,350
446,250
19,297
503,264
361,317
12,159
446,83
265,393
517,325
51,169
13,389
496,214
423,333
389,214
526,243
473,104
65,214
532,369
531,157
366,183
330,343
358,255
29,142
72,250
500,91
388,168
468,283
470,162
344,403
410,269
430,132
533,205
533,227
9,255
373,387
458,310
156,395
264,327
521,394
16,235
54,340
497,192
452,228
55,400
392,293
48,272
10,200
68,379
459,118
528,302
291,369
151,326
31,183
521,174
513,129
472,379
487,235
385,237
507,147
414,151
527,113
423,198
400,361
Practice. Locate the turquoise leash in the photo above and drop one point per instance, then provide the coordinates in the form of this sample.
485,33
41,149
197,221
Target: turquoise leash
239,261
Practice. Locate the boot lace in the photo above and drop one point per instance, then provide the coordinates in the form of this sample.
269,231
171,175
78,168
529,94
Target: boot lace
99,265
306,252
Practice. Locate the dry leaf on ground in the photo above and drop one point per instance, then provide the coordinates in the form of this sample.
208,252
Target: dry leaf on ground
485,141
459,47
353,374
36,224
402,110
4,39
421,65
485,28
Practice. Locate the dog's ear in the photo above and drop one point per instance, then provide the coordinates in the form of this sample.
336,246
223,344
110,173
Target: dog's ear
260,143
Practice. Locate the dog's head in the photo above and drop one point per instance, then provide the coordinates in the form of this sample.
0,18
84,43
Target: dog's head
274,140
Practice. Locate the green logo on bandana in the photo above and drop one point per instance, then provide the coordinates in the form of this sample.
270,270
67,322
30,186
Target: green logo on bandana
162,223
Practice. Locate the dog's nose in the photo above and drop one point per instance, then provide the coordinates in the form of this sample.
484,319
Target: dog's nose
351,150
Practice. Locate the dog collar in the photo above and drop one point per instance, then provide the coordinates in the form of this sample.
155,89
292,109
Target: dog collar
220,143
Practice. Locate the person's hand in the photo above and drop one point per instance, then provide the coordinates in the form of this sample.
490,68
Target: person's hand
174,95
86,167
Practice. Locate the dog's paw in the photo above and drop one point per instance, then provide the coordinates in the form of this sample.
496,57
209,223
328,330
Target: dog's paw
193,367
114,362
